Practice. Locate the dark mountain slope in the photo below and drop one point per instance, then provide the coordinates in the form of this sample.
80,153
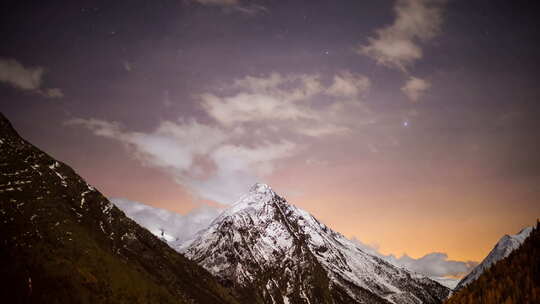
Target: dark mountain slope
502,249
62,241
514,279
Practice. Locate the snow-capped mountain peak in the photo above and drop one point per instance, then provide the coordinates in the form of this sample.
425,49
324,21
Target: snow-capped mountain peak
275,252
261,188
258,195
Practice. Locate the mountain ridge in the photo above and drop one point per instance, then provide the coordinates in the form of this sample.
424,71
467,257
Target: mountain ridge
513,279
263,233
62,241
504,247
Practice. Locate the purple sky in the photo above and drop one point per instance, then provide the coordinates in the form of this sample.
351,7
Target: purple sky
409,124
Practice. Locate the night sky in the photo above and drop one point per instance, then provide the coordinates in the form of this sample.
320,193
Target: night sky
411,125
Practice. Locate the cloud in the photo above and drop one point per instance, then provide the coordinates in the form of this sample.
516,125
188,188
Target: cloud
245,107
274,97
259,156
172,145
24,78
316,162
292,87
256,83
251,9
128,66
320,130
173,227
435,265
288,98
237,167
51,93
253,123
199,156
347,84
15,74
415,88
218,2
397,45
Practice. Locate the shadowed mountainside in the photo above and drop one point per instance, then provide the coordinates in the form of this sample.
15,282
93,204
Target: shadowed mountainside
62,241
514,279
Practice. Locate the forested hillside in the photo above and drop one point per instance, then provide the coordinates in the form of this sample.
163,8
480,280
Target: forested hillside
515,279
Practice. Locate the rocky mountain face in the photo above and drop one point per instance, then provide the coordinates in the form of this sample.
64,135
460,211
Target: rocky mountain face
506,245
62,241
272,252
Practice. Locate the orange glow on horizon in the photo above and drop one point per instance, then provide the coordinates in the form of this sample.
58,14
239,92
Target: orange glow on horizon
462,220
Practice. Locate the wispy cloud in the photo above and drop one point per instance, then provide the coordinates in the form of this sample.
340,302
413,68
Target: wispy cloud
346,84
27,79
19,76
172,145
248,9
264,98
203,158
435,265
50,92
237,167
252,123
219,2
128,66
415,88
398,45
278,97
173,227
322,130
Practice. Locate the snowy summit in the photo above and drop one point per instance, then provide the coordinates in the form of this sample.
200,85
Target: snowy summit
274,252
